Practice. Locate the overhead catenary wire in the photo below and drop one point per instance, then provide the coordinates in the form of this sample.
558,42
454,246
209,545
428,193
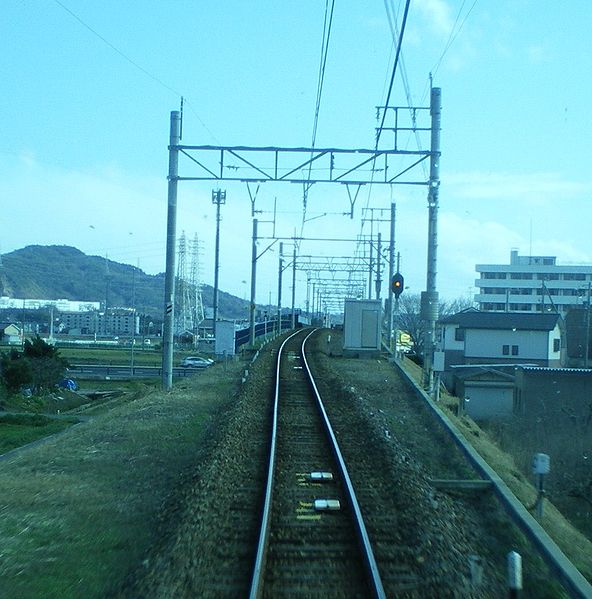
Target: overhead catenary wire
390,88
399,45
327,27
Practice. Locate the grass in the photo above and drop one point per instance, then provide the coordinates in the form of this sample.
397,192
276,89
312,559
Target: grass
122,356
19,429
81,511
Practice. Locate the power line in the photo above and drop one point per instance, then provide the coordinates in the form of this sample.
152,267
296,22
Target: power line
115,49
133,63
453,34
327,26
400,43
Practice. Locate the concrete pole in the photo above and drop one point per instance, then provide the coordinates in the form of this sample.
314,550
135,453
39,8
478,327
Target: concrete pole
169,281
279,302
378,265
587,352
218,198
294,285
429,298
391,274
253,286
370,265
308,295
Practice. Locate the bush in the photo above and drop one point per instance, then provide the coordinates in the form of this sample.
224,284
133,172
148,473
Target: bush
39,366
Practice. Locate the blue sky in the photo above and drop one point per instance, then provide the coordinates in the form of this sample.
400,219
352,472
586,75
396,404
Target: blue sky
84,132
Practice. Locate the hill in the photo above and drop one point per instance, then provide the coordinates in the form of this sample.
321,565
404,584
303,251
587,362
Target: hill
64,272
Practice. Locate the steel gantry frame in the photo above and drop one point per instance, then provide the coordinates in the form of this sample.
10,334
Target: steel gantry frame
353,167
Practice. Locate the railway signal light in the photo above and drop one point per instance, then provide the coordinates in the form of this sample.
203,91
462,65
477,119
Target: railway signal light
397,284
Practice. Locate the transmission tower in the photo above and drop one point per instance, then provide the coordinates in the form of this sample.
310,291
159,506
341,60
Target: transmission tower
197,308
183,312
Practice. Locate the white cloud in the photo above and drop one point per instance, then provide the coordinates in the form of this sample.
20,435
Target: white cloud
530,187
438,15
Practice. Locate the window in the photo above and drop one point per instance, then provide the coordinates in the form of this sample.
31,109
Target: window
514,350
556,344
459,334
506,350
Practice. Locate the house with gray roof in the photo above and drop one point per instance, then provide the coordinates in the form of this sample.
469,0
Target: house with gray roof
475,337
483,349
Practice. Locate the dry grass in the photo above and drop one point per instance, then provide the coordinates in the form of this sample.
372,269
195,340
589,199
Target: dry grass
80,511
572,542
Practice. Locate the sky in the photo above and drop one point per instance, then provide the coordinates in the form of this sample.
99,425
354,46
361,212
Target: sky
88,88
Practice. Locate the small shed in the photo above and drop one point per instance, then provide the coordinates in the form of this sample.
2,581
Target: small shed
361,326
224,343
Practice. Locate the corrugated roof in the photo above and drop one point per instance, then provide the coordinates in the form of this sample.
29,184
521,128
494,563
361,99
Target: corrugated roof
475,319
559,370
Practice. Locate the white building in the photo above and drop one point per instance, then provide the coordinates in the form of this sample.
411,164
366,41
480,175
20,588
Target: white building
63,305
483,349
532,284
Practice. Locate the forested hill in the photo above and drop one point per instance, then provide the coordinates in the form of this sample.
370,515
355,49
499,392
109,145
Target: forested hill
64,272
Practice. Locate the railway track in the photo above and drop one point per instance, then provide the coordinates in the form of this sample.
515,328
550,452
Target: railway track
313,540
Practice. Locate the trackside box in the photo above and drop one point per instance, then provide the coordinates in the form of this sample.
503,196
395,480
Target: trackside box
361,326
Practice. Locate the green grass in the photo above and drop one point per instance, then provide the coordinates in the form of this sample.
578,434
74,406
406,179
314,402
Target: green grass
19,429
82,510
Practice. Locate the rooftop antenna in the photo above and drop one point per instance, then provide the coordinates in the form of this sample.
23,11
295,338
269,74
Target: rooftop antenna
181,123
530,244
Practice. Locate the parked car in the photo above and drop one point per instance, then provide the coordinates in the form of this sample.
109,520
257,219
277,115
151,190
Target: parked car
196,362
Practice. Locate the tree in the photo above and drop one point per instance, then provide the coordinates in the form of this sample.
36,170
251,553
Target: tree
47,366
409,320
15,371
40,366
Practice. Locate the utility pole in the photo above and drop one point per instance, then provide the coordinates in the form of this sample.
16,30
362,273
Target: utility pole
378,261
587,353
391,275
169,281
253,285
218,198
429,298
294,284
280,271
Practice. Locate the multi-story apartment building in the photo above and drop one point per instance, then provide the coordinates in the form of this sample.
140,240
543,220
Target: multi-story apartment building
532,284
121,321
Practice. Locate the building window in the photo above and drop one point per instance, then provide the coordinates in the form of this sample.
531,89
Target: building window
506,350
556,344
514,350
459,334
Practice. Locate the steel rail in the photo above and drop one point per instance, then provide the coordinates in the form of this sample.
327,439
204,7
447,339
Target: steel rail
259,568
363,538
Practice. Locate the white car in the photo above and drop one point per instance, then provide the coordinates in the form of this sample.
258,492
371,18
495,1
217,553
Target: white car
196,362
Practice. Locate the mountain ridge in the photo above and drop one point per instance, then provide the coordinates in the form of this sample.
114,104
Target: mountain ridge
65,272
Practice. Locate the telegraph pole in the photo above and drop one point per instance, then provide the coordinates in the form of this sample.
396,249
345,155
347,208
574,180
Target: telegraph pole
378,261
429,297
253,285
169,281
280,271
218,198
294,284
391,274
